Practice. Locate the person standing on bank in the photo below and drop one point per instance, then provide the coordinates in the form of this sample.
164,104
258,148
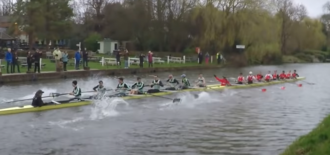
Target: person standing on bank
15,62
29,60
58,56
200,57
207,57
9,60
65,60
126,58
118,58
141,60
150,54
77,57
218,58
36,57
85,58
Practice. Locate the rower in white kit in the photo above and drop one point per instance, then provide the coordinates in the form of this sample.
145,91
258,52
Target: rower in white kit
201,81
172,82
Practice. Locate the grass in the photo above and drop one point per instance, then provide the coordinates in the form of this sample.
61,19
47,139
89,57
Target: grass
317,142
50,66
291,59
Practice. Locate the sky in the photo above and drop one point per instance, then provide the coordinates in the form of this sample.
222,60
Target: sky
314,7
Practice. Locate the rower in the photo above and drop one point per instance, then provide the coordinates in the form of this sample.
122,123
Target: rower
295,74
201,81
250,78
283,75
223,81
275,75
268,77
121,87
259,77
240,79
155,85
137,88
100,90
172,82
288,76
185,82
37,99
76,91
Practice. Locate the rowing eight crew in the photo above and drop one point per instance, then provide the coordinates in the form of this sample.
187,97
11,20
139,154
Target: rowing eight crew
268,77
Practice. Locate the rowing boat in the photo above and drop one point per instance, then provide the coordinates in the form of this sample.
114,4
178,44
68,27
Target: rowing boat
29,108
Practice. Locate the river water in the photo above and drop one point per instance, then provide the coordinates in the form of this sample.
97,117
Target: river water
231,122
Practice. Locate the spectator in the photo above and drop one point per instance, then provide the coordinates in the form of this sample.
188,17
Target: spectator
58,56
65,60
141,60
85,58
207,57
9,60
218,58
200,57
118,58
77,57
126,58
29,59
15,62
36,57
150,54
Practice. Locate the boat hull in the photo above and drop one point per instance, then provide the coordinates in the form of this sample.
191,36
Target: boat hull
29,108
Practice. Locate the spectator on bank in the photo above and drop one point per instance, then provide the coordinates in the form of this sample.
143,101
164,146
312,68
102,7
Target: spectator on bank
29,60
85,58
218,58
118,58
15,62
207,57
65,60
58,56
77,57
9,60
150,54
126,58
200,57
36,57
141,59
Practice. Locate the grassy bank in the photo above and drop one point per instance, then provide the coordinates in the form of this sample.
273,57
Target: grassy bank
317,142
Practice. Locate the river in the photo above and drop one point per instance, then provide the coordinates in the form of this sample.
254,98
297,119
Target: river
231,122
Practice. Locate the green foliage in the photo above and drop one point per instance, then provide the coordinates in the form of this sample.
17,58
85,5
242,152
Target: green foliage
91,42
304,57
189,51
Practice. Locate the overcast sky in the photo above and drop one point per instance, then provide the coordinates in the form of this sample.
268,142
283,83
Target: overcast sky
314,7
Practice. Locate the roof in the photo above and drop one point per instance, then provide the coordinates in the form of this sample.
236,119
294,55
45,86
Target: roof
5,36
4,19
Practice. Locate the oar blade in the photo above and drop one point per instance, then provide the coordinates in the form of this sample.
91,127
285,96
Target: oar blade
176,100
54,94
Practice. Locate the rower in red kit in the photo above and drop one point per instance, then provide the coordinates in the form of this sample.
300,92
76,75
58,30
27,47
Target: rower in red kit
269,76
295,74
259,77
288,76
283,75
275,75
240,79
223,81
250,78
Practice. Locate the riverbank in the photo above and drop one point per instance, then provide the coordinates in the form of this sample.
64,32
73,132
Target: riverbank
48,75
317,142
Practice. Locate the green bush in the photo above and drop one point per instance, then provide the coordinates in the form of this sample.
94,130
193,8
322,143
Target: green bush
189,51
91,42
304,57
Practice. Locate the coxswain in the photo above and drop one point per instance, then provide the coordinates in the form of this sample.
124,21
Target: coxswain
223,81
275,75
201,81
76,91
172,82
137,88
250,78
288,76
185,82
295,74
100,89
268,77
122,87
37,99
259,77
155,85
283,75
240,79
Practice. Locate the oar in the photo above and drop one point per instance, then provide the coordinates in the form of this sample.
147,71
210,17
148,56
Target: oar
61,94
308,82
24,100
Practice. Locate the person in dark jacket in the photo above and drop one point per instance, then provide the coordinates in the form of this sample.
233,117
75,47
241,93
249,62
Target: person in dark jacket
77,57
141,60
15,62
37,99
9,60
36,57
118,58
85,58
200,57
29,60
